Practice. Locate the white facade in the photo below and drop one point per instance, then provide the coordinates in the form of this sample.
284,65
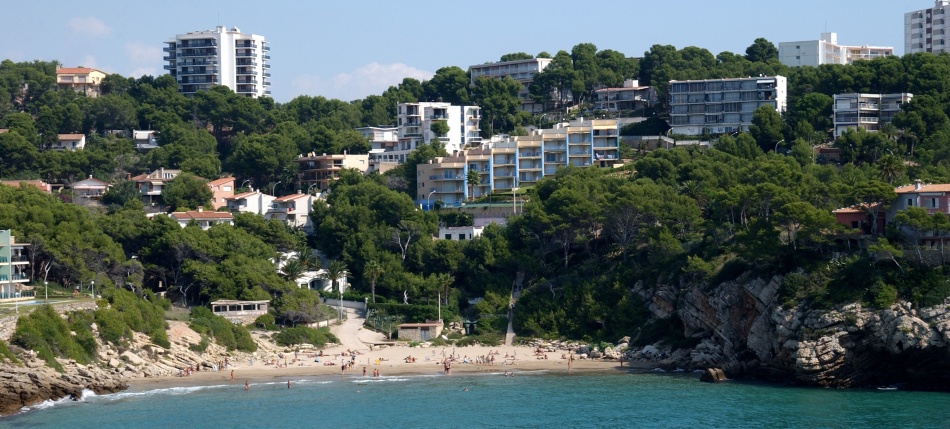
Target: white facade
827,51
866,111
383,142
718,106
925,30
239,61
522,71
293,210
255,202
460,233
414,125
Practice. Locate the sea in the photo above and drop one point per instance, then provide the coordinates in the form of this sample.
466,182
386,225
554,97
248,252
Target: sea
527,400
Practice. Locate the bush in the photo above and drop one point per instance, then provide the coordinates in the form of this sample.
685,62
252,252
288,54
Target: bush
45,332
410,312
112,327
6,354
266,322
304,335
201,346
489,339
225,333
883,295
129,312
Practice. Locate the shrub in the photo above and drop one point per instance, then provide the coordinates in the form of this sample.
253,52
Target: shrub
304,335
266,322
6,354
201,346
883,295
225,333
112,327
45,332
129,312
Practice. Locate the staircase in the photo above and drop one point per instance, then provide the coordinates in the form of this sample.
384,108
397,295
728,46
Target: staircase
515,294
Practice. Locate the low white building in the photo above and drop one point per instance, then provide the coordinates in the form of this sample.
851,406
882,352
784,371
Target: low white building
294,210
460,233
144,140
826,50
866,111
314,280
71,142
414,125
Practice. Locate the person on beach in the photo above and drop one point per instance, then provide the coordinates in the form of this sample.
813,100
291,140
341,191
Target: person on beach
247,386
364,371
232,375
288,384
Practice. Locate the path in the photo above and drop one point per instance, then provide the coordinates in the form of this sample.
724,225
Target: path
515,294
351,333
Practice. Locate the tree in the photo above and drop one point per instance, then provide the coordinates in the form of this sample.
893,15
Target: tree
471,179
891,168
766,127
449,84
762,51
881,249
186,191
333,270
372,271
516,56
121,193
498,99
439,128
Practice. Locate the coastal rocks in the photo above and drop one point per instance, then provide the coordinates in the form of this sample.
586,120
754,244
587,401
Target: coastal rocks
713,375
34,383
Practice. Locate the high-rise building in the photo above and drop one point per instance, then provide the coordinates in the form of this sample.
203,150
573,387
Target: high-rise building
925,30
522,71
415,120
866,111
826,50
200,59
718,106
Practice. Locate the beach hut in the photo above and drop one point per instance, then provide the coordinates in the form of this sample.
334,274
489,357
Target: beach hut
420,331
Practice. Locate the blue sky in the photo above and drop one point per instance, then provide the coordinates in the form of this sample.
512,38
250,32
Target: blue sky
350,49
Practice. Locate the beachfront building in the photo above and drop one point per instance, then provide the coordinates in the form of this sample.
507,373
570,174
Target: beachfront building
414,124
826,50
722,106
237,60
420,331
629,96
14,265
866,111
150,185
221,189
83,80
318,171
517,161
522,71
90,188
239,312
70,142
925,30
383,141
253,201
204,219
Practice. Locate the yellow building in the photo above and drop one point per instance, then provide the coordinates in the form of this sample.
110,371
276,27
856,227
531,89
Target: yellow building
80,79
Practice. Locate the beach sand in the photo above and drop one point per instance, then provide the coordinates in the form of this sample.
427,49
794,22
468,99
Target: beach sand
391,361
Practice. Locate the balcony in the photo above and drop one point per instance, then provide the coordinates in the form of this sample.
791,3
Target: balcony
169,58
245,53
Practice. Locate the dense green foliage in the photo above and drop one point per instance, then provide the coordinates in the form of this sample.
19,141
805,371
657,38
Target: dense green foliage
304,335
128,312
6,354
48,334
230,335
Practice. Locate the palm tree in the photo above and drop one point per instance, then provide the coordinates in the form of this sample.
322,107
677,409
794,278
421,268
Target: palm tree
333,270
372,271
444,280
293,268
472,178
891,168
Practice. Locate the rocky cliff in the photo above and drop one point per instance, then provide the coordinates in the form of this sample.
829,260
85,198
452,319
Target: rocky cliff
744,330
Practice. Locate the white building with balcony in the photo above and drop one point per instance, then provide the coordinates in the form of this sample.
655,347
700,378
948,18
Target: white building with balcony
293,210
629,96
925,30
200,59
14,265
719,106
255,202
414,126
383,141
522,71
826,50
866,111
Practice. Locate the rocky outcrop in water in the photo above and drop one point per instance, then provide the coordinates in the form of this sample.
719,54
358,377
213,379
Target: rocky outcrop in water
34,383
742,329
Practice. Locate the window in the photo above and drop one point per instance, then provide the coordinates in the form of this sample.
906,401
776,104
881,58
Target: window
448,236
461,236
227,189
910,202
854,224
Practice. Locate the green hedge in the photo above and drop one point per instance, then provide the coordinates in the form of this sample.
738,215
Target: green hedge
304,335
223,331
129,312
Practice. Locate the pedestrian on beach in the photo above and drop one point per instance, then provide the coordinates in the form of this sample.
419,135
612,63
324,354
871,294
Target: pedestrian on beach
232,375
247,386
288,384
364,371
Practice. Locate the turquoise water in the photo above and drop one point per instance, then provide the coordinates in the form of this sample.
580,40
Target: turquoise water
529,400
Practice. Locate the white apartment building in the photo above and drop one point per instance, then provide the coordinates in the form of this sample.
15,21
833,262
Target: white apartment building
522,71
414,124
925,30
200,59
826,50
718,106
383,141
866,111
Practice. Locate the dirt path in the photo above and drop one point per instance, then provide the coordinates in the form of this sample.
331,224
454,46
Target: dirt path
352,335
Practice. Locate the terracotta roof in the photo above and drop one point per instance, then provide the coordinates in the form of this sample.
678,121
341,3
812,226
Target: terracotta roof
857,208
76,70
239,196
938,187
289,198
4,130
70,136
221,181
201,215
39,184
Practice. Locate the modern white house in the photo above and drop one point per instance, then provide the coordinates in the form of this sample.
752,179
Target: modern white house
383,141
866,111
70,142
294,210
460,233
826,50
522,71
222,56
315,280
204,219
255,202
90,188
414,125
925,30
719,106
144,140
629,96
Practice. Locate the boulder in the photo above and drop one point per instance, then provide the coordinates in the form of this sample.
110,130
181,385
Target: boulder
713,375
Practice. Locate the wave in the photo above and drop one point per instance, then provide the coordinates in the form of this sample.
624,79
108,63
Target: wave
379,380
175,391
50,403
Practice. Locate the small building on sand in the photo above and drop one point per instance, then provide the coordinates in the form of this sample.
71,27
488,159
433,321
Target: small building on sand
420,331
242,312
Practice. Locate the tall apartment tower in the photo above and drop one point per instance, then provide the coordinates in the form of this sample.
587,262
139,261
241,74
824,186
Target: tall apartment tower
925,30
200,59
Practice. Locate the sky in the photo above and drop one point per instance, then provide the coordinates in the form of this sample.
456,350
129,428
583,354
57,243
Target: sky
354,48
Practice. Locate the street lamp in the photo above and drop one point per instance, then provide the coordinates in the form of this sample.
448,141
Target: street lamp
429,200
246,181
46,293
310,187
92,285
778,143
274,188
